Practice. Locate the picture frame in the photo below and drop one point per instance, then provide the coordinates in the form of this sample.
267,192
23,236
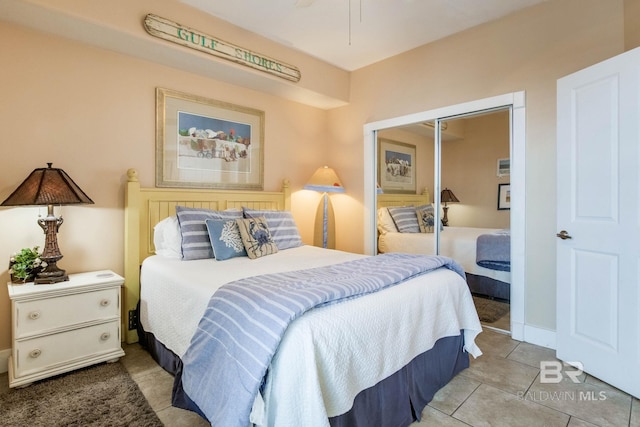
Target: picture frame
504,197
396,166
206,143
504,167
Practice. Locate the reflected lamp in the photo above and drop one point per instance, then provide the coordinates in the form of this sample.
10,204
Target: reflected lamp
447,196
48,187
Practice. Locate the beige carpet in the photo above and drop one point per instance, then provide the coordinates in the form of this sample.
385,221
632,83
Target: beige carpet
101,395
490,310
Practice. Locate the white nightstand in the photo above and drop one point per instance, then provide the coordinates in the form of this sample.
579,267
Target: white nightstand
64,326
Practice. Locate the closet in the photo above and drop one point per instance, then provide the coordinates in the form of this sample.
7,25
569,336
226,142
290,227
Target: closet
475,181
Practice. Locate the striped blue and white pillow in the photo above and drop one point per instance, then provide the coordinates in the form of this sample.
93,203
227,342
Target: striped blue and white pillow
283,228
405,218
193,229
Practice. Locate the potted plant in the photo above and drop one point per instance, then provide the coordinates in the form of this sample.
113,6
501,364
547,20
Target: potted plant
25,265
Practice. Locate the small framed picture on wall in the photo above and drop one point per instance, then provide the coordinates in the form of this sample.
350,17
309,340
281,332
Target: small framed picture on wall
504,167
504,196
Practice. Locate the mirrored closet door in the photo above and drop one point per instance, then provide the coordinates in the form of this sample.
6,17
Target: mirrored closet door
454,172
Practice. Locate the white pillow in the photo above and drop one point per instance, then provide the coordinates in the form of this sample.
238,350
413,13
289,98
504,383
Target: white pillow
385,222
167,238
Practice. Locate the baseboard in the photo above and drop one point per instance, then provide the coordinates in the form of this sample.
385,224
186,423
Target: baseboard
4,360
540,336
517,330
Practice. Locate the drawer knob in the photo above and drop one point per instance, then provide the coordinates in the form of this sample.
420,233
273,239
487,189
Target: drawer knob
105,336
35,353
34,315
105,302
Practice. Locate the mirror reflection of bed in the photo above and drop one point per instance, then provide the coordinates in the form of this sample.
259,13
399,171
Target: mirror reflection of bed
477,234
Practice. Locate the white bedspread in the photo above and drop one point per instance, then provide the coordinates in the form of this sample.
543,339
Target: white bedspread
325,358
458,243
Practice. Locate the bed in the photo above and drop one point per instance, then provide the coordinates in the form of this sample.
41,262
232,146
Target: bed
460,243
339,364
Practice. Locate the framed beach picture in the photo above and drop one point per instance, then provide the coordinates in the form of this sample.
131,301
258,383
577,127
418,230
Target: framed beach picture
504,196
396,166
205,143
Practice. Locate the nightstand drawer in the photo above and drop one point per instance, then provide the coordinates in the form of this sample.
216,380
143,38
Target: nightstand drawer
39,316
57,350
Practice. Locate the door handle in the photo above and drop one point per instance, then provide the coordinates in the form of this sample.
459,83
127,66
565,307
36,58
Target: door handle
563,235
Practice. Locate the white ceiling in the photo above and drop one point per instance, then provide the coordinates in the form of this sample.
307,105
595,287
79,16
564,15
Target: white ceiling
351,34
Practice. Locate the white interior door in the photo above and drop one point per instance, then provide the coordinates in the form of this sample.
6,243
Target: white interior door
598,249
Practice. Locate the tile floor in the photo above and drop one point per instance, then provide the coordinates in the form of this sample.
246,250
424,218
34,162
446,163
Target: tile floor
503,388
500,388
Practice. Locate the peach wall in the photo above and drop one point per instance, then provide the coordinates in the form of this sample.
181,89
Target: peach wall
118,25
631,24
526,51
92,113
469,169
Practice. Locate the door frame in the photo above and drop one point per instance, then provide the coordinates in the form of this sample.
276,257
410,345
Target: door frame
514,100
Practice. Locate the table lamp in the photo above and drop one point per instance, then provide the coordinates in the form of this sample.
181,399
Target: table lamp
326,181
48,186
447,196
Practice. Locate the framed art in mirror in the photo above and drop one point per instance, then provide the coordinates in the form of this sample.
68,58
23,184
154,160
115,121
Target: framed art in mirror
205,143
504,167
396,166
504,196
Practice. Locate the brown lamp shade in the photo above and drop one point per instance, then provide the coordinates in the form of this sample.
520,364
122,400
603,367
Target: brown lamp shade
447,196
47,186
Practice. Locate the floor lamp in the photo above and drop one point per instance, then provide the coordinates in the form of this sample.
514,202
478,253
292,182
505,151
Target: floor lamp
325,180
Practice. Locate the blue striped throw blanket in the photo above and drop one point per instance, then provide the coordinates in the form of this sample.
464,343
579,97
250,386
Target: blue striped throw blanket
494,250
229,354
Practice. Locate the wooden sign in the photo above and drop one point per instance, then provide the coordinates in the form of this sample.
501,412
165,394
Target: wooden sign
185,36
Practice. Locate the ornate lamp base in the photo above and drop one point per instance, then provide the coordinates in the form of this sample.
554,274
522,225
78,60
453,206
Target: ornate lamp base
47,277
445,220
51,254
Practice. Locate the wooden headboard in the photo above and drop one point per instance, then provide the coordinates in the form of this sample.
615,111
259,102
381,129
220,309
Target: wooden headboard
386,200
145,207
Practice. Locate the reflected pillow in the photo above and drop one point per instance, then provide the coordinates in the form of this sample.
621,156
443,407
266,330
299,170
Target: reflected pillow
426,218
256,237
193,230
225,238
405,218
385,222
281,225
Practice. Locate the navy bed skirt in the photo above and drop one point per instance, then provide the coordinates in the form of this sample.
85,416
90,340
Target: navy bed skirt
489,287
396,401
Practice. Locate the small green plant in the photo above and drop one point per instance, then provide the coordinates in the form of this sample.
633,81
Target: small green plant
26,264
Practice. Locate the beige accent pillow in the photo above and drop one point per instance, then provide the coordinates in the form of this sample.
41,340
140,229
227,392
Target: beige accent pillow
426,218
256,237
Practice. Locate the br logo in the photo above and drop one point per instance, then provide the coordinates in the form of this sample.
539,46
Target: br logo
552,371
